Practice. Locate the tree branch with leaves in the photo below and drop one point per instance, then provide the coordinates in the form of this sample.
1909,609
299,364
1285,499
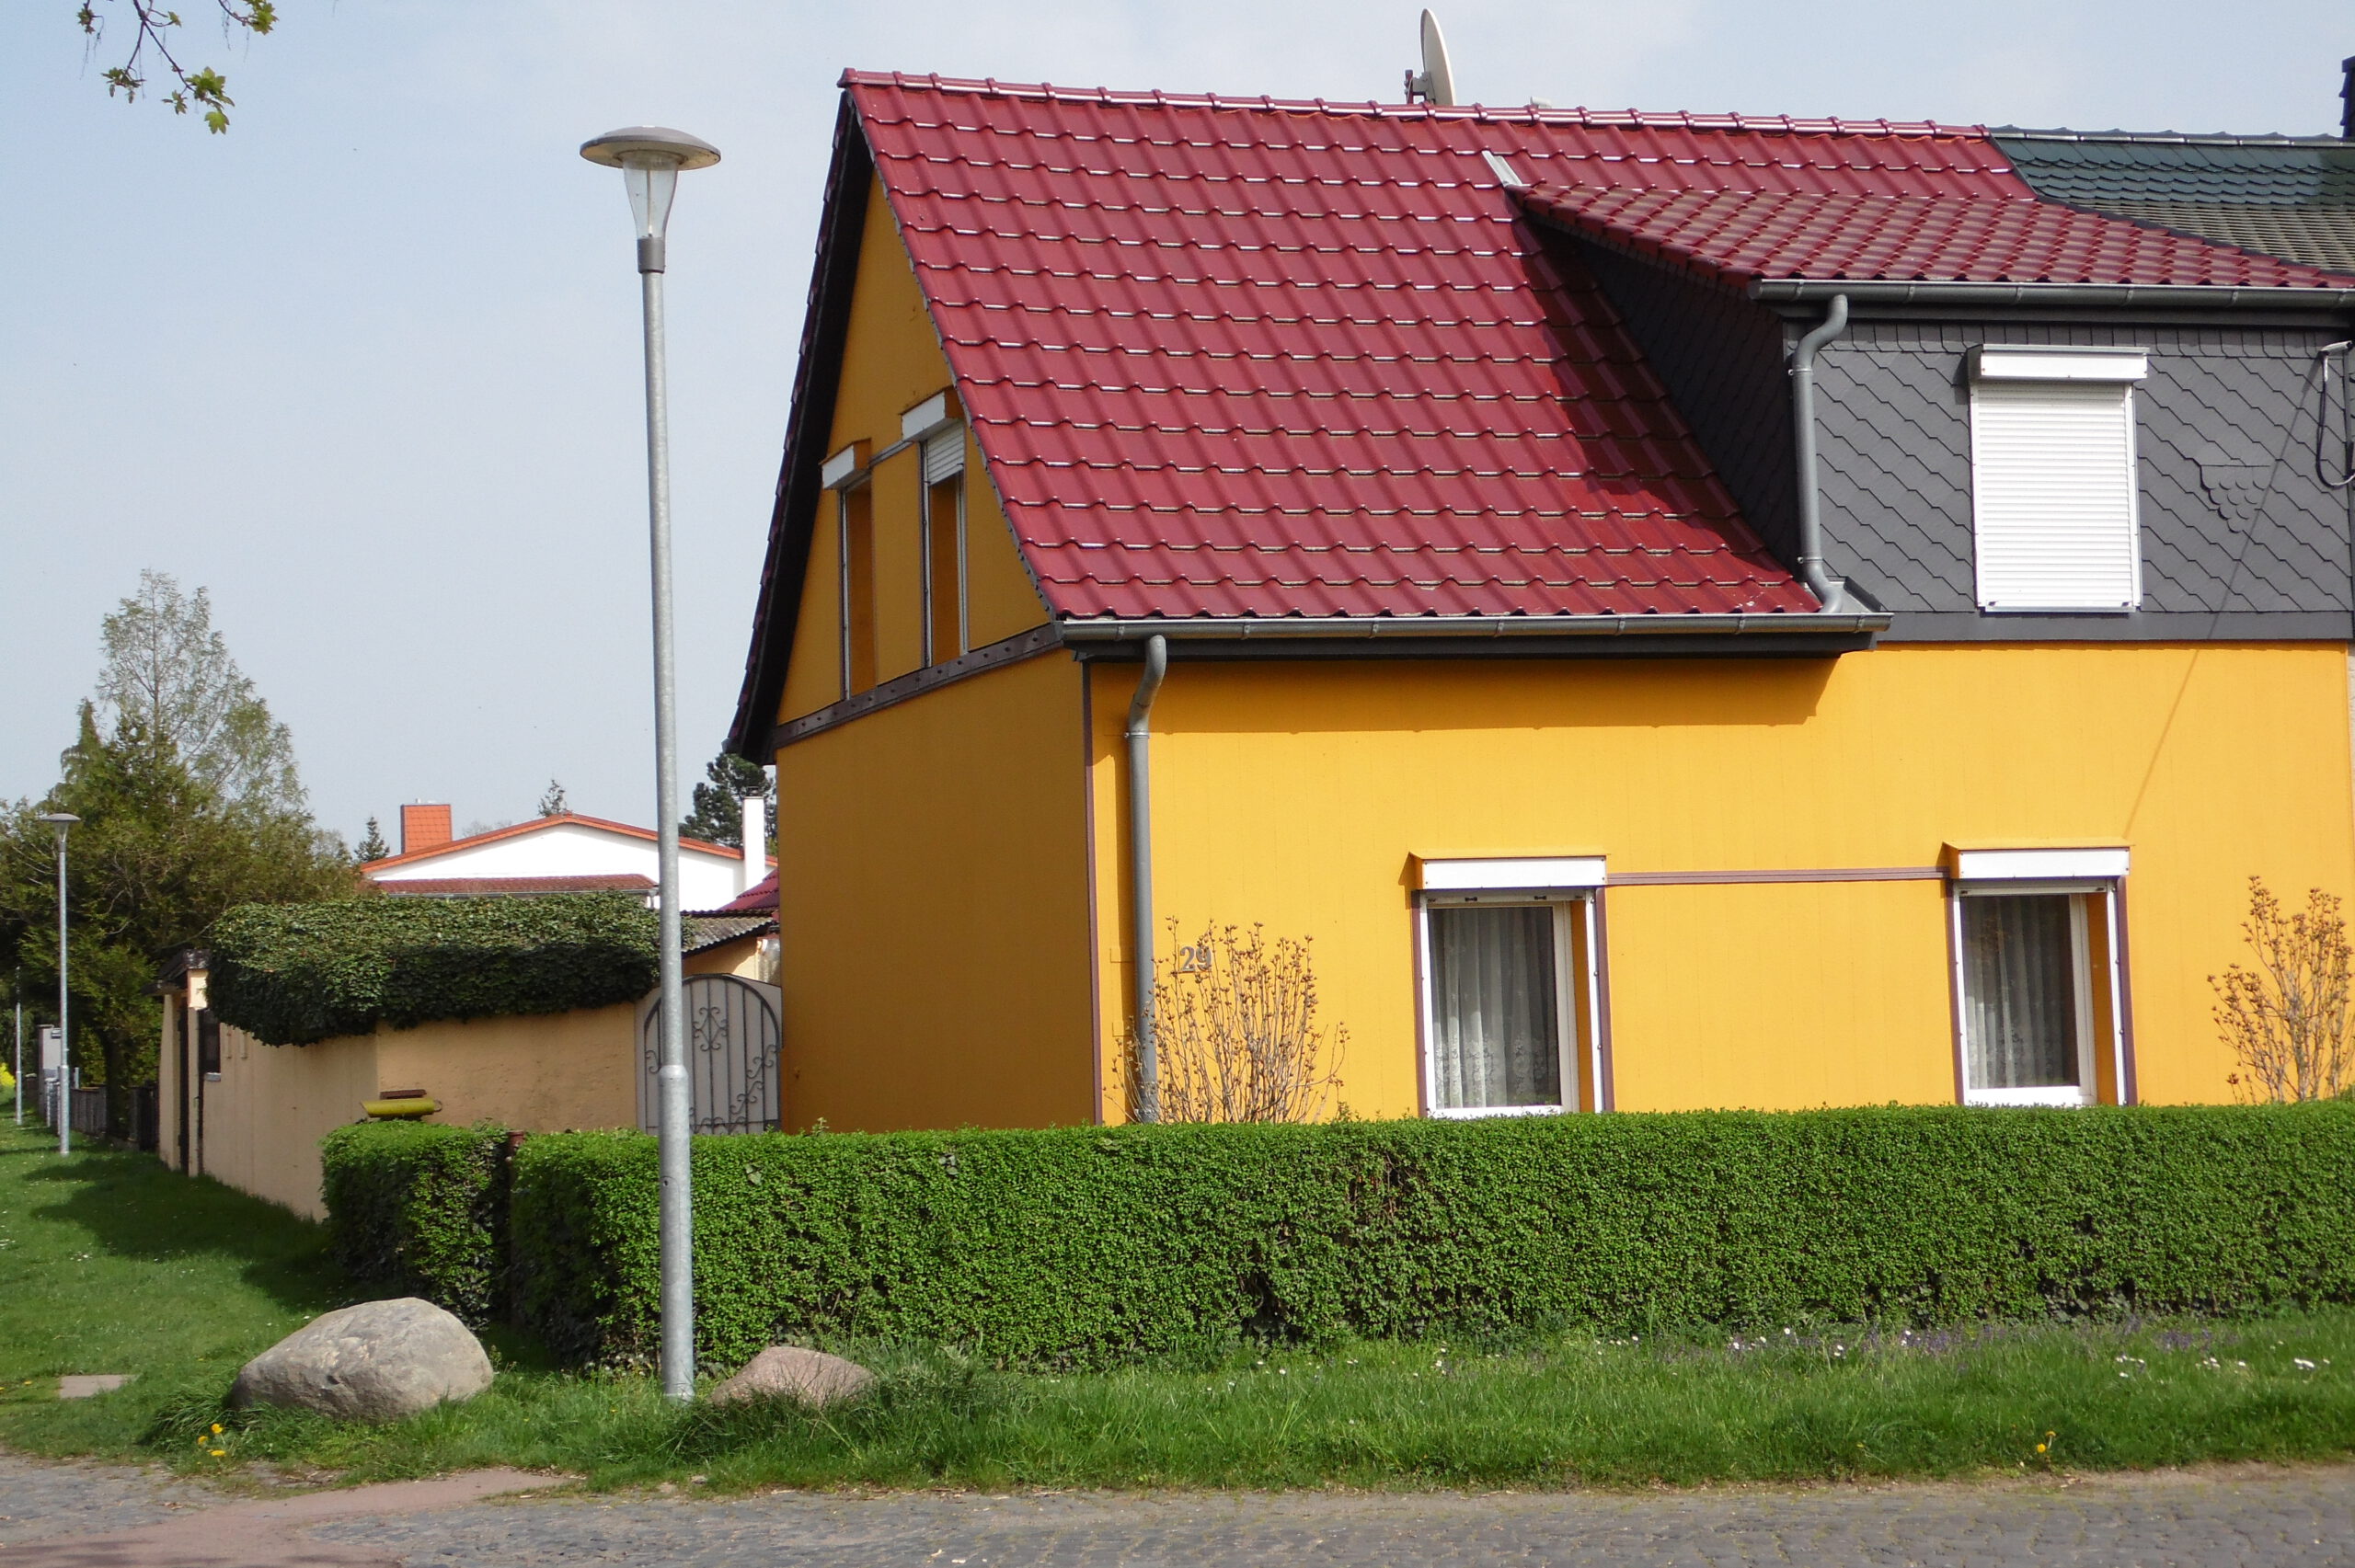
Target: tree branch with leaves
153,26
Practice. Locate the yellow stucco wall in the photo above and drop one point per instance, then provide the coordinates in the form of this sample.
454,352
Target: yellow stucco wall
548,1072
1293,795
264,1117
934,881
260,1122
891,361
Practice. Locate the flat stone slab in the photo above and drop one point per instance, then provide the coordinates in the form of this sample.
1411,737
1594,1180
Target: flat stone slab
82,1385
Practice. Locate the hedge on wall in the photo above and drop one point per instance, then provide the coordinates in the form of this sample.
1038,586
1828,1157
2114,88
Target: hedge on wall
419,1210
1088,1247
292,974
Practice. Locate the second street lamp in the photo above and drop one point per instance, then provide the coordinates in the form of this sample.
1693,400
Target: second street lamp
650,158
61,821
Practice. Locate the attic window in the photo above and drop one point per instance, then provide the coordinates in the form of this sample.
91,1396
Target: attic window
2053,487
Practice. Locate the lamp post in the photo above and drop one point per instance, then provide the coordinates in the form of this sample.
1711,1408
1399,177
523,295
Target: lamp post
650,158
61,821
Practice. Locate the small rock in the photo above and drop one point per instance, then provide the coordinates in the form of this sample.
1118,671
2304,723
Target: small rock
82,1385
789,1371
378,1361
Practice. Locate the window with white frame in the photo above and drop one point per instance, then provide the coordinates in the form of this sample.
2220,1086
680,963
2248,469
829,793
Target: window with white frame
1510,1000
2055,493
2037,981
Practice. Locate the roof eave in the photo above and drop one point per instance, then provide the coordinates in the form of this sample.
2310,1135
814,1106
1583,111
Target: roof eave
1243,636
824,329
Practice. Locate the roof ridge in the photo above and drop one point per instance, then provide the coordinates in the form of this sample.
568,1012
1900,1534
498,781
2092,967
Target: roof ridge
1596,119
2170,138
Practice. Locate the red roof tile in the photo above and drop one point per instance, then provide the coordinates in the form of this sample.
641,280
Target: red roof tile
2000,233
1245,358
1235,360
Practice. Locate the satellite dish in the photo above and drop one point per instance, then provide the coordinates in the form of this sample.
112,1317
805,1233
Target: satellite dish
1435,83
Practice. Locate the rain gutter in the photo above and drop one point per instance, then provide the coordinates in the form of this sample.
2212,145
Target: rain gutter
2109,296
1139,738
1828,593
1391,628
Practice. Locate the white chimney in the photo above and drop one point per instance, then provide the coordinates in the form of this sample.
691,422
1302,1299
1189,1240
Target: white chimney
754,865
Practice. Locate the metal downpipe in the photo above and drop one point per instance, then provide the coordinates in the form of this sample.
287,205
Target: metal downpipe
1139,735
1819,581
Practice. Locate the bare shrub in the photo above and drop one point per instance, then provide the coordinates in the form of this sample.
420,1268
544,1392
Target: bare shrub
2287,1020
1236,1030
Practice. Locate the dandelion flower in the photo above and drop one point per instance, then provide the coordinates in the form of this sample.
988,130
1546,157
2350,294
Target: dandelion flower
216,1428
2039,1448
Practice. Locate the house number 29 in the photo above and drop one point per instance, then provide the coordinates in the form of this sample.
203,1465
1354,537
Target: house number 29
1194,960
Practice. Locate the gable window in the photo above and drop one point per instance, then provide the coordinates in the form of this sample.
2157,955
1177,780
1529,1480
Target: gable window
1510,991
2054,497
855,513
944,613
2038,977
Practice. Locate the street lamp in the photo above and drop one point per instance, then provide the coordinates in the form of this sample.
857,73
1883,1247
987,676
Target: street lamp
650,158
61,821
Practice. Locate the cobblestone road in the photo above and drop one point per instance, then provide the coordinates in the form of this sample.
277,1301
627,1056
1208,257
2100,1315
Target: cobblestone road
2222,1518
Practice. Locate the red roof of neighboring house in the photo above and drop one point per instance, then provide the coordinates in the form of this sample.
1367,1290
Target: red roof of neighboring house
759,899
516,830
1996,232
466,887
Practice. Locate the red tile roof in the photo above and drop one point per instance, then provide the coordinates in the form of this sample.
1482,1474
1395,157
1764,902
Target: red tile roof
1233,361
1242,357
759,899
472,887
536,825
1999,234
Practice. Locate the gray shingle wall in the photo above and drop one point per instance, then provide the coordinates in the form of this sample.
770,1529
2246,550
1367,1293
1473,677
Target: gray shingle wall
2235,523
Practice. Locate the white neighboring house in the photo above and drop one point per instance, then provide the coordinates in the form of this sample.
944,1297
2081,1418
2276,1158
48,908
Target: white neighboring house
561,854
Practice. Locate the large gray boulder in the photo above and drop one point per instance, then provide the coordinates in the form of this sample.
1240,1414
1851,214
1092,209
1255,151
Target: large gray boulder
788,1371
378,1361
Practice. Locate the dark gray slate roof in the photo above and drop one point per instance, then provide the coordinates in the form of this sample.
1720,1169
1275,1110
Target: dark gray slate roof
2290,197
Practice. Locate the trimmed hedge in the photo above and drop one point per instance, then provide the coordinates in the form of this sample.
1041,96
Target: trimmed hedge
419,1210
1089,1247
293,974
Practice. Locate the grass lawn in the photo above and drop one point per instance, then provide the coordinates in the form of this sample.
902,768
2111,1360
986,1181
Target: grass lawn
110,1263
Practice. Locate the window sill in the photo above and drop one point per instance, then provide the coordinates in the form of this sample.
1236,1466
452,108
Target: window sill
2067,1096
1480,1113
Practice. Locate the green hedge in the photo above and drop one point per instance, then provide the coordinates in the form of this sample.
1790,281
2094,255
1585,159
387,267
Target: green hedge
419,1210
1088,1247
292,974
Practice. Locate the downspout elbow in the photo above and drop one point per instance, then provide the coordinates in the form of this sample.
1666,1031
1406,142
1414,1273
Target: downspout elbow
1139,735
1819,581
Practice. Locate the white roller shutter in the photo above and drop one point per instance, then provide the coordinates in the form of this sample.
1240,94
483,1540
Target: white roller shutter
2053,491
943,455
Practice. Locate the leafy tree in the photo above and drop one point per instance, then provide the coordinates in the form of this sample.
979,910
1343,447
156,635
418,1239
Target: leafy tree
170,837
168,682
717,819
374,846
152,27
553,803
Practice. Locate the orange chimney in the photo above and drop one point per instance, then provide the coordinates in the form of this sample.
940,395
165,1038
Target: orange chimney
424,827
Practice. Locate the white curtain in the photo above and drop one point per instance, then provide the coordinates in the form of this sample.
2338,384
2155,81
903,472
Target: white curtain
2019,991
1497,1038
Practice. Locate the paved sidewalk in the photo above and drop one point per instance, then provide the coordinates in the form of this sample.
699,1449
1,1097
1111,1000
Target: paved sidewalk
2236,1518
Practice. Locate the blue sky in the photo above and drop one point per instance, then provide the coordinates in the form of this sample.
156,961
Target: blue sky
365,367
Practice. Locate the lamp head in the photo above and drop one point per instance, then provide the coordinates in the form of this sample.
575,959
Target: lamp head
61,820
650,158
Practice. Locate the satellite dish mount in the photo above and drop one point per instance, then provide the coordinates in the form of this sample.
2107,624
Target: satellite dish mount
1435,83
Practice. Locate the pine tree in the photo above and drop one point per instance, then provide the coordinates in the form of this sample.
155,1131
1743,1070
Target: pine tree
717,819
553,804
373,846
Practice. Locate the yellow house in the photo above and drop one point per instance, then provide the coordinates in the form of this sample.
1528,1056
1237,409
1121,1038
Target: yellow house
1683,613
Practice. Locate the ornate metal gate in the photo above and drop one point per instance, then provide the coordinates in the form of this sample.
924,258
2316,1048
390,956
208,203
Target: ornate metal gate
732,1067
